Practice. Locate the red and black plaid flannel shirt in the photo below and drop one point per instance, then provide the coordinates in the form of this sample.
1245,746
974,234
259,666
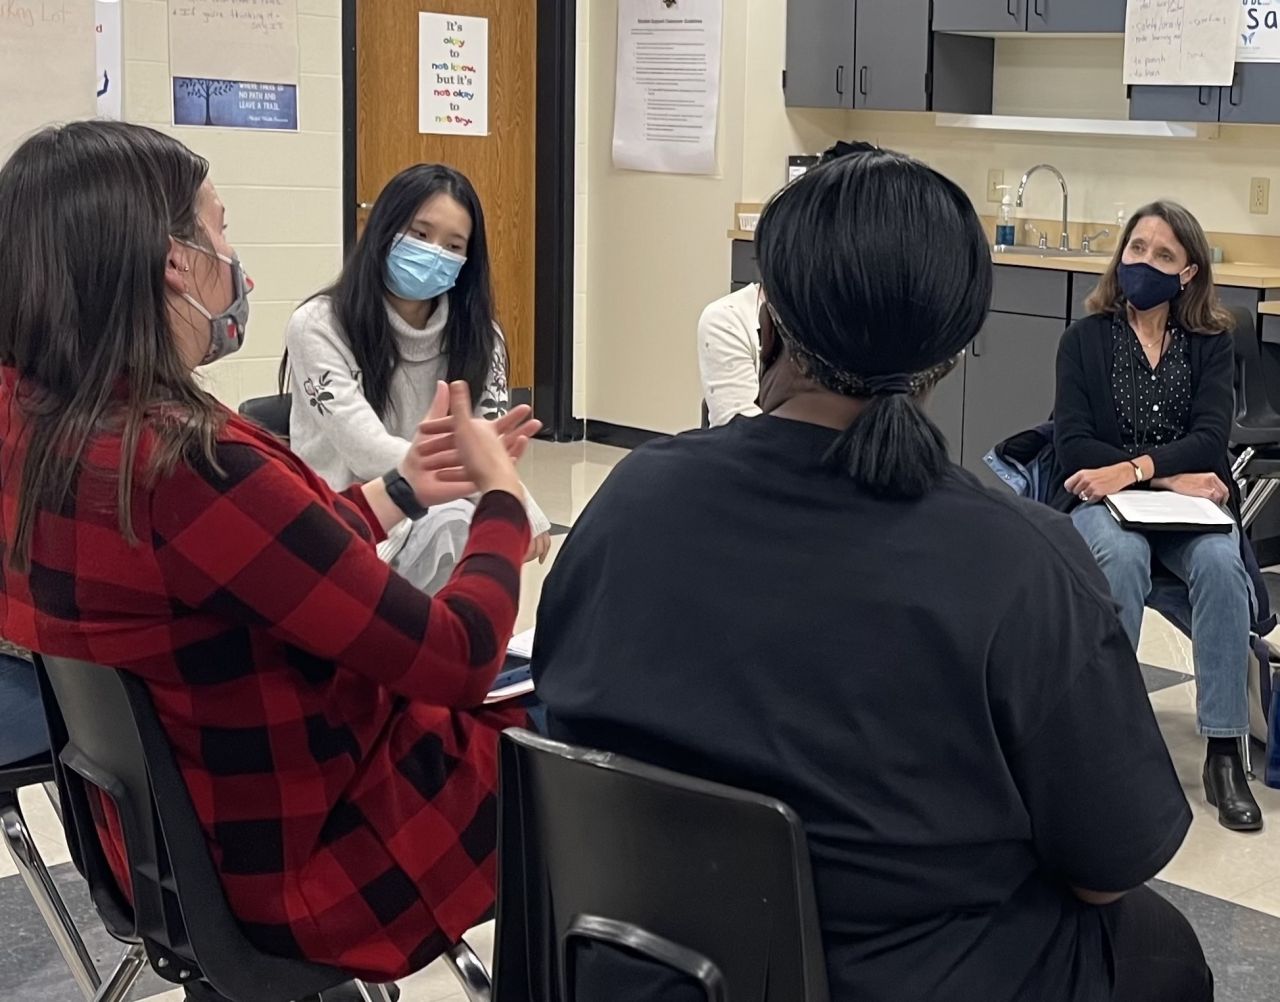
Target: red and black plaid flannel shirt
320,707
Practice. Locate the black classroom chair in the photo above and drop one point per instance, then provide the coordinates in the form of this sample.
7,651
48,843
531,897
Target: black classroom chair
692,879
105,731
271,412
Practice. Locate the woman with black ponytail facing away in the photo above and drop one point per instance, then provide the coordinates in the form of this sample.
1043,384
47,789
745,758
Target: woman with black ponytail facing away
814,604
1143,402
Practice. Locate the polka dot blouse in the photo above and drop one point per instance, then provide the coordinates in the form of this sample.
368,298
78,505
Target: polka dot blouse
1153,406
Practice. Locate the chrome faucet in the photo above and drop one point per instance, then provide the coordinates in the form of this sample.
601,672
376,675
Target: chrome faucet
1086,244
1064,242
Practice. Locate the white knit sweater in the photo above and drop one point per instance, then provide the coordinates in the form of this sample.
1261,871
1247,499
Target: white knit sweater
331,424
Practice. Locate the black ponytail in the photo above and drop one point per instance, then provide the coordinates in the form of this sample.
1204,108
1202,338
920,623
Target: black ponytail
892,449
877,272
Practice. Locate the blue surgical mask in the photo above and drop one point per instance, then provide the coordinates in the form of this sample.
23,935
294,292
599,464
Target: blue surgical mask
418,271
1146,287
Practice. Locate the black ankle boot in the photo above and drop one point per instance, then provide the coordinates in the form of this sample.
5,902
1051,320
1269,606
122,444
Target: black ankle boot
1227,788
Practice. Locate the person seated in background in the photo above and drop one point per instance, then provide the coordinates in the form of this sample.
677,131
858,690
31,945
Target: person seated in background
326,714
729,338
412,306
1144,399
816,605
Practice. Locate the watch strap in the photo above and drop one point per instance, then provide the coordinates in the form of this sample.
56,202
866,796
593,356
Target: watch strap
402,496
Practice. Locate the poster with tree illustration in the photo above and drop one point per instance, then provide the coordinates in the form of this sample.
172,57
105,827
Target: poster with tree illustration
233,104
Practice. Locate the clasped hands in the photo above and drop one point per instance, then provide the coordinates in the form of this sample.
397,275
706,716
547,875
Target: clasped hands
1094,485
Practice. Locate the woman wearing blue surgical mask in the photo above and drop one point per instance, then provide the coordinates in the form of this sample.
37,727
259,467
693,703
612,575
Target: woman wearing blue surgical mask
1144,399
412,306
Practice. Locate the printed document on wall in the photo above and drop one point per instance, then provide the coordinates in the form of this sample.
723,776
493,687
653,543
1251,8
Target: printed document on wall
1259,31
453,75
47,66
667,99
1190,43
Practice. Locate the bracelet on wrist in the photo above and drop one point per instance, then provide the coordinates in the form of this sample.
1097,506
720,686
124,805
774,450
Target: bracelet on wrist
402,496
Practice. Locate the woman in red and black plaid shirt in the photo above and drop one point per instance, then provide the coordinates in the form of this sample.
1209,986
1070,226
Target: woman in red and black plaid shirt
324,712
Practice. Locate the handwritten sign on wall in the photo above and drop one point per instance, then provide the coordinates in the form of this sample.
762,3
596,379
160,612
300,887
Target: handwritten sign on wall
1259,31
1189,42
453,75
234,40
48,59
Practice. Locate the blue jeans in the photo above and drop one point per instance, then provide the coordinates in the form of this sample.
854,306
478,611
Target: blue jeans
22,727
1220,595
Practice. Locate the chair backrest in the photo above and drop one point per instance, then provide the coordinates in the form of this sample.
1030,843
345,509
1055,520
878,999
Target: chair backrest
1254,420
271,412
105,732
703,879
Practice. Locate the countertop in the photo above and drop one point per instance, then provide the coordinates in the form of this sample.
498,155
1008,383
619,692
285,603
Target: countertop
1270,308
1243,276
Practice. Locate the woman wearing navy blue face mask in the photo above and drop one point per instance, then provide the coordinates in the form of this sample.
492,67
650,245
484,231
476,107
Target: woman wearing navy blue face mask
1144,399
412,306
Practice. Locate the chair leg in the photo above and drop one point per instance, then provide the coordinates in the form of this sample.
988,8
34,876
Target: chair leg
466,967
1246,756
373,993
45,894
121,981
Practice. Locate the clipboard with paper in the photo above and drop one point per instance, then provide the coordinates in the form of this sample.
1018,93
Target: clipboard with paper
1165,511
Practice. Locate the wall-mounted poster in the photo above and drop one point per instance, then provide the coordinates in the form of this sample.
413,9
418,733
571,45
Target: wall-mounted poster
47,65
1259,31
1183,42
234,63
453,75
110,87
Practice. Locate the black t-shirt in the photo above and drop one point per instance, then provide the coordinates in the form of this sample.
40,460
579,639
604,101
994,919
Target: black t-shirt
940,689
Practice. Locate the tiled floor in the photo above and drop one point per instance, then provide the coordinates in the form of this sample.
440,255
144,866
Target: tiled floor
1228,884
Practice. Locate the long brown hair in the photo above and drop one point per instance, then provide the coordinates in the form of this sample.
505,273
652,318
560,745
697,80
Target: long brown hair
1198,309
87,211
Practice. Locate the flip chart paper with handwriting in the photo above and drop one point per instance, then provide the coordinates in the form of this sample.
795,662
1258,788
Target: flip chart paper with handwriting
1181,42
48,65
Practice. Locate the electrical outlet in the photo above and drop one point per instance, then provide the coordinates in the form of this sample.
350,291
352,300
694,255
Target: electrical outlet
995,178
1260,195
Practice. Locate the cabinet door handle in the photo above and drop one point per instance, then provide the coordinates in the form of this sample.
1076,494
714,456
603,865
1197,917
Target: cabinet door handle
1231,92
975,347
840,79
1036,8
864,75
1202,95
1012,8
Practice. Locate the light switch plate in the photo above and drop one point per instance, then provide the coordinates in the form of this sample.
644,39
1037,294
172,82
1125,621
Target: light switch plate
995,178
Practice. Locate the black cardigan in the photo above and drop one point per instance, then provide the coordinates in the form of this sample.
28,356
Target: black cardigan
1086,431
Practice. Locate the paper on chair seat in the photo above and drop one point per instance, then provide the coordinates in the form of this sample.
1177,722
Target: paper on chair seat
521,645
1167,511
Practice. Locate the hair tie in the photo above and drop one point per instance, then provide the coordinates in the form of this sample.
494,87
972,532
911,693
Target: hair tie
890,385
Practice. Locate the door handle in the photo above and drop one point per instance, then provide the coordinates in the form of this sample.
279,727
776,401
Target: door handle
840,79
864,75
364,205
1036,8
1231,92
975,347
1012,8
1202,95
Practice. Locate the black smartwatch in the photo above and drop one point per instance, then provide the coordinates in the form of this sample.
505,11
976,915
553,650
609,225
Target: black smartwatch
401,494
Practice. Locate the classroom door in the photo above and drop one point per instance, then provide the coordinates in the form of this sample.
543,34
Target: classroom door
501,165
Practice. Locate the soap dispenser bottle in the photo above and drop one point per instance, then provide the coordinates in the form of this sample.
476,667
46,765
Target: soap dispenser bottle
1006,227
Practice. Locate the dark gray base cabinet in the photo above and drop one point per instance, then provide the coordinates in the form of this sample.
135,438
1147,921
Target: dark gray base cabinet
945,406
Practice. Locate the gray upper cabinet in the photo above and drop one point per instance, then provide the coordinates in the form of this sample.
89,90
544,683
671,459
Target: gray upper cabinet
1254,97
980,15
1075,15
892,55
820,69
1174,104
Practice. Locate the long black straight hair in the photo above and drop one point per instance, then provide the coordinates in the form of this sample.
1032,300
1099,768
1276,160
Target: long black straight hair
88,212
879,273
359,296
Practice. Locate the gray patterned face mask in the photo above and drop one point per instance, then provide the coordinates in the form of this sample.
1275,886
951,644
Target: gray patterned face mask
227,329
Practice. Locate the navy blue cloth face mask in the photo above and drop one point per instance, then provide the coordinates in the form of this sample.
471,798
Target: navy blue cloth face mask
1146,287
